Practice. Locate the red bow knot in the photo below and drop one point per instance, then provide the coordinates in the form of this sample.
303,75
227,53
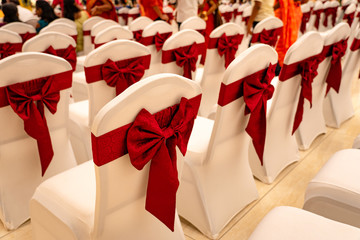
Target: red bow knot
6,49
228,46
33,115
227,16
122,74
68,54
187,57
257,90
160,39
156,138
138,35
333,79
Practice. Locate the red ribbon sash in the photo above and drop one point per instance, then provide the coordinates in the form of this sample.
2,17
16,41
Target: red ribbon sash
74,37
355,44
349,18
69,54
304,21
96,45
120,74
307,68
227,46
336,51
124,16
22,97
317,14
153,137
330,12
256,90
138,35
134,16
268,37
158,39
8,49
86,33
26,36
245,20
227,16
185,57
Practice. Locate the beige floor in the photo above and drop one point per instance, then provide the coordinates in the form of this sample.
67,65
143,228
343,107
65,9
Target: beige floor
288,189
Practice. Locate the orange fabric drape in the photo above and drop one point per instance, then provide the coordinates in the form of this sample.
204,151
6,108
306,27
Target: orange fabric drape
290,13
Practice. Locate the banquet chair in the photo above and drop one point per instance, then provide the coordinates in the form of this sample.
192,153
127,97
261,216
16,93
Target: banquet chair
137,26
180,53
32,149
123,16
280,148
61,28
87,25
327,79
106,198
10,43
154,36
133,14
341,10
226,13
236,14
306,12
217,182
244,21
195,23
132,61
316,17
349,16
284,223
267,31
334,192
64,20
327,19
224,45
338,107
169,11
25,31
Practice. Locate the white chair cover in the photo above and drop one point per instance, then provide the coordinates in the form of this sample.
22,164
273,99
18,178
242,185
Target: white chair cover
108,203
20,28
133,14
195,23
7,36
240,12
305,9
269,23
123,16
217,180
214,69
338,107
61,28
152,29
182,38
140,23
82,113
87,25
20,171
111,33
313,122
334,192
64,20
318,6
284,223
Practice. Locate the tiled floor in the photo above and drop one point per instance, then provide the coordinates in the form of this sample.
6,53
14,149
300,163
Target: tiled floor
288,189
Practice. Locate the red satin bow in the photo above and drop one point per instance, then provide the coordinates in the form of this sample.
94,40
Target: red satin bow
26,36
226,45
257,90
317,14
125,17
151,138
349,18
268,37
69,54
333,79
355,44
33,115
304,21
138,35
227,16
308,71
123,74
330,11
158,39
6,49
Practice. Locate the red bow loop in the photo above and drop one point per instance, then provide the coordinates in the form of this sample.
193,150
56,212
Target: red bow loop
227,16
138,35
159,39
333,79
33,115
26,36
69,54
228,46
187,57
153,138
122,74
317,14
6,49
257,90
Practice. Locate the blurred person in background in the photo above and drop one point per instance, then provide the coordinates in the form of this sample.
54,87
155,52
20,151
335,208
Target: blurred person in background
46,14
10,13
102,8
153,9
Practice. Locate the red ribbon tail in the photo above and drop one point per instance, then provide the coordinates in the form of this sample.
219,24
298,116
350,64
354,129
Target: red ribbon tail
46,153
299,114
333,79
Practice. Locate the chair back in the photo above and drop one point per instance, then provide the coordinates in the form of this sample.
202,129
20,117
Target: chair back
133,14
349,16
138,25
10,43
163,29
316,16
20,161
268,31
181,39
64,20
26,31
226,13
101,25
120,187
100,92
123,16
245,16
87,25
114,32
194,23
214,67
61,28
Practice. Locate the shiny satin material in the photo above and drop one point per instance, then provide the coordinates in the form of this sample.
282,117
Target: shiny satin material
69,54
8,49
269,37
158,40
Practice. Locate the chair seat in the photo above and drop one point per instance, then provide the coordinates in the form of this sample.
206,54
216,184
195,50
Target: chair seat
335,191
71,201
284,223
